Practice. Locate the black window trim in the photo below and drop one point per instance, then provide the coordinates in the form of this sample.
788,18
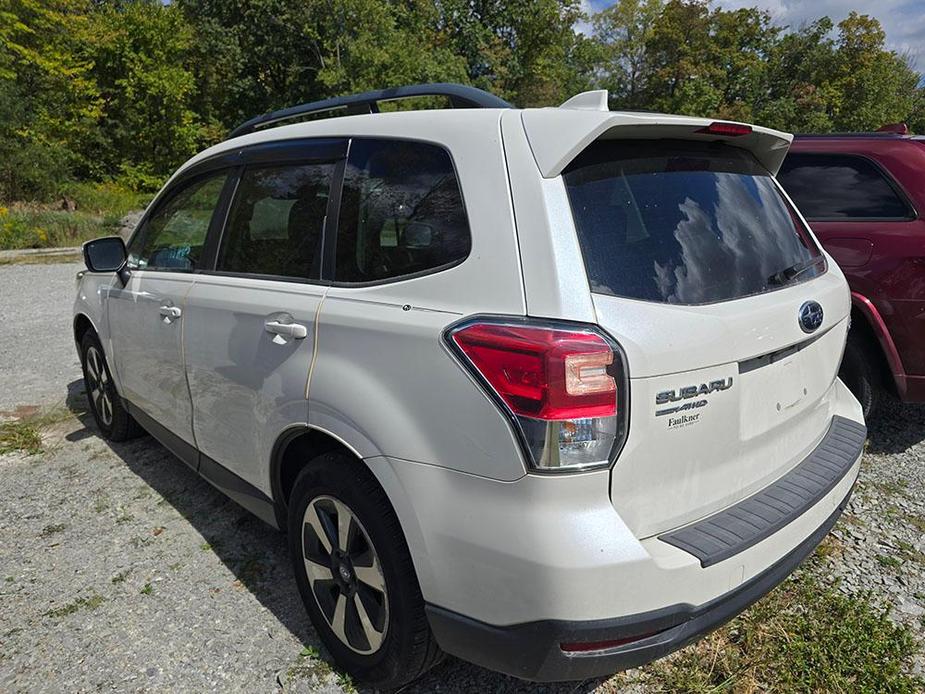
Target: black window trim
271,154
325,232
888,178
294,152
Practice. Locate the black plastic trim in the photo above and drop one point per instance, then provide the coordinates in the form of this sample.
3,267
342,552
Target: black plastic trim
532,650
750,521
239,490
771,357
460,96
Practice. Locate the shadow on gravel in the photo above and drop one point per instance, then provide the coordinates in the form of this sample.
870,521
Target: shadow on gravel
258,557
896,427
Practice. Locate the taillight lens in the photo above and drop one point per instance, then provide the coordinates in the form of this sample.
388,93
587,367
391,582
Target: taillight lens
560,384
727,129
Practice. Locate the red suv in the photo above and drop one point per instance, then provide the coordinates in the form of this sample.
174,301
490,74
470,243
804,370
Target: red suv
862,193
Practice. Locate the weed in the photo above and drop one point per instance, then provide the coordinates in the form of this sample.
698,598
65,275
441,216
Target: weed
53,529
148,589
888,561
100,208
24,434
90,603
803,636
20,435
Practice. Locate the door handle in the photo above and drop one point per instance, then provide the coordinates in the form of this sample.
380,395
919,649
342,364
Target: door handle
170,312
293,330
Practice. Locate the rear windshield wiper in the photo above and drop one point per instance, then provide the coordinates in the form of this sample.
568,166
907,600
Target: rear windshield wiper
789,274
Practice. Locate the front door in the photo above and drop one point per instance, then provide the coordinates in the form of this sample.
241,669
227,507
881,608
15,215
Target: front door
146,315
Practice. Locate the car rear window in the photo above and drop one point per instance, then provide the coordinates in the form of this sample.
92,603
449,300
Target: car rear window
684,222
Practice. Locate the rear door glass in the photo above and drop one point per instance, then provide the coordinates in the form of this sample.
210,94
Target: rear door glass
840,186
277,221
684,222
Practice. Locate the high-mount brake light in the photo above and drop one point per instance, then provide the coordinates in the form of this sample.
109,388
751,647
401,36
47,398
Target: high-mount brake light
727,129
561,385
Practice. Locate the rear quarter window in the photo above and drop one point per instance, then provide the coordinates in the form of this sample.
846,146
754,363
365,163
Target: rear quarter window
841,186
684,222
401,214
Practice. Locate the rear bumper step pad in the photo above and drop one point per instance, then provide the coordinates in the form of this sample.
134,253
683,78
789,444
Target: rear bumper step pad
750,521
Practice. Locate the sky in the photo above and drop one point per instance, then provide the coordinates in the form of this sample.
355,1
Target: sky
903,20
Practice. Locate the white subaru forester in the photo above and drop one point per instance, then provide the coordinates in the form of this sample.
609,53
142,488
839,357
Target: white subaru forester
551,390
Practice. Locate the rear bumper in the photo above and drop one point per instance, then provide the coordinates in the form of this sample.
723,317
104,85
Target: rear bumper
532,650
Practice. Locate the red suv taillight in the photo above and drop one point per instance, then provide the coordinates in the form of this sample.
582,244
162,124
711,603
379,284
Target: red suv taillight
562,385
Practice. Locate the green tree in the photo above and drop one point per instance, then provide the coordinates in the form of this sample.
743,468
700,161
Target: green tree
876,86
526,50
48,102
623,32
140,51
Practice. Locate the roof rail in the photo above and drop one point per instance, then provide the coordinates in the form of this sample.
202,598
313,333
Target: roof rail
460,96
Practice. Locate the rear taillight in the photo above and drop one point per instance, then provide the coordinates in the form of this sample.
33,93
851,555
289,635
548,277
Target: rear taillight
562,386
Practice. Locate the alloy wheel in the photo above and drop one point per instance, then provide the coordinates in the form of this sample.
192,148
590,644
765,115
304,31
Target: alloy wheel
345,575
98,385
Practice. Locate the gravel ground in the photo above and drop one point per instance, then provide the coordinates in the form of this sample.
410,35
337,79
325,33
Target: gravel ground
121,569
35,314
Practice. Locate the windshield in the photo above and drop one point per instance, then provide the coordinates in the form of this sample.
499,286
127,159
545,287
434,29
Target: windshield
684,222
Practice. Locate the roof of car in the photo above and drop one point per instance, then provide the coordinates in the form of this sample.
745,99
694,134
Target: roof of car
556,134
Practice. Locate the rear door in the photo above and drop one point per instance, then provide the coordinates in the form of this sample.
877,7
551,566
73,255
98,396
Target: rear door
250,332
868,223
706,276
147,314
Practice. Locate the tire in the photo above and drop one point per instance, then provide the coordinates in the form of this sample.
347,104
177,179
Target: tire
109,413
861,371
396,646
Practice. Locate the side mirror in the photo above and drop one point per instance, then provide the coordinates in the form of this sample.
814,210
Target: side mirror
107,254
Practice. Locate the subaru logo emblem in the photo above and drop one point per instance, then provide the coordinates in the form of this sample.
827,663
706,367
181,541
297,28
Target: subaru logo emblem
810,316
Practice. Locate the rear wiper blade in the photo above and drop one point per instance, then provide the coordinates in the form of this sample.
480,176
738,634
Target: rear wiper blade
789,274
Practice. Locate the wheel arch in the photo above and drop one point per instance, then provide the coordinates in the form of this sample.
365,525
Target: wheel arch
864,313
293,450
81,324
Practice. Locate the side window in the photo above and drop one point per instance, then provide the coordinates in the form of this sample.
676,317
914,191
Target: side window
174,234
276,221
401,212
838,186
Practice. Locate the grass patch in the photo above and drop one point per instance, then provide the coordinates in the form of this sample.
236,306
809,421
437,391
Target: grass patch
24,434
804,636
888,561
20,435
90,603
99,209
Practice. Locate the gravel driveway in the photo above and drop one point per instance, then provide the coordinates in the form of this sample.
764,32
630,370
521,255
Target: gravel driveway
35,323
121,569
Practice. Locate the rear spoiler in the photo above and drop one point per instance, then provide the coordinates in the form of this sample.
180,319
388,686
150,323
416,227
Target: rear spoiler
558,135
